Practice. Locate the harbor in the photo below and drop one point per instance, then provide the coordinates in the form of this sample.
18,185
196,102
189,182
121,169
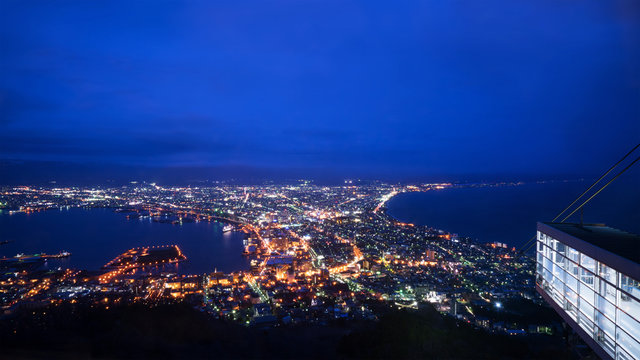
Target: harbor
203,242
23,262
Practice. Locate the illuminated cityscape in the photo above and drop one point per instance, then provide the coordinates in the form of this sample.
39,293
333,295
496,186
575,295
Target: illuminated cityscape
307,245
318,254
192,179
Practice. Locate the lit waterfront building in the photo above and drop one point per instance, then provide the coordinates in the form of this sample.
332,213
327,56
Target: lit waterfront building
589,274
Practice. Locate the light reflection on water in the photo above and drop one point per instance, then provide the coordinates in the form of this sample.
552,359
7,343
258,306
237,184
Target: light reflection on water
96,236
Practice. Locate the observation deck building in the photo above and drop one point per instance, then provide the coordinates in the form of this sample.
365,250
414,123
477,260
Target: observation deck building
589,274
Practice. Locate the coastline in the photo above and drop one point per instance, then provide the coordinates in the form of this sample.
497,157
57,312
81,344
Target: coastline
119,235
505,213
509,214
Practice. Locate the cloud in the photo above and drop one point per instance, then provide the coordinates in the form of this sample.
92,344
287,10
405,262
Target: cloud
152,148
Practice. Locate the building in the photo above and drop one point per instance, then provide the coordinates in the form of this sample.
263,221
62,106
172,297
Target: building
589,274
430,255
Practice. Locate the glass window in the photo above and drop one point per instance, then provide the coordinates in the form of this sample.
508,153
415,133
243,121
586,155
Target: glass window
605,324
608,291
586,293
571,296
587,278
573,254
560,260
623,355
572,269
558,290
606,308
630,285
588,263
630,305
571,310
547,263
607,343
547,277
586,310
607,273
558,272
585,323
628,343
560,248
628,324
539,268
571,282
547,239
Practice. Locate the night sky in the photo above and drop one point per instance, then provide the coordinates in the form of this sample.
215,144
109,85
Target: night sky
351,88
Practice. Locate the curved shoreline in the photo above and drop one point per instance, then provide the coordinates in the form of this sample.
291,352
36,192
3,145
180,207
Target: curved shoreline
464,234
385,211
505,214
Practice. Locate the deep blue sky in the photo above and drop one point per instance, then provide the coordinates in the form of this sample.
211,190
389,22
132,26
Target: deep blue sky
371,87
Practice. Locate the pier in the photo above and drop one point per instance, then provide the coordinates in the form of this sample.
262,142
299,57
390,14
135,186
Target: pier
147,256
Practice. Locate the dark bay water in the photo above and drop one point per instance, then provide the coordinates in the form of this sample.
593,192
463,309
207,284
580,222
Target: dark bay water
95,236
509,214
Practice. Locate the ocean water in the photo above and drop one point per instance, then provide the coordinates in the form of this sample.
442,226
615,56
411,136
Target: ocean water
95,236
509,214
